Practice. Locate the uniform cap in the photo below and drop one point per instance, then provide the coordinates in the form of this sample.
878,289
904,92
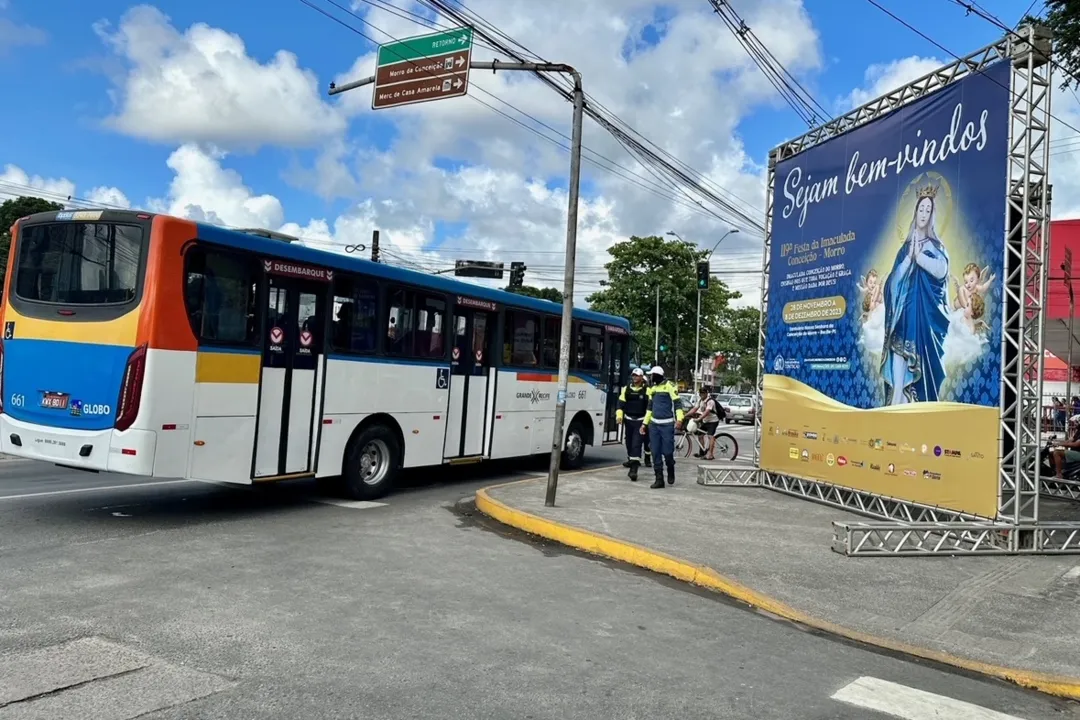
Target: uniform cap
638,371
657,370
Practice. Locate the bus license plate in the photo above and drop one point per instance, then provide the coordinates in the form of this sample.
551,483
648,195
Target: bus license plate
54,401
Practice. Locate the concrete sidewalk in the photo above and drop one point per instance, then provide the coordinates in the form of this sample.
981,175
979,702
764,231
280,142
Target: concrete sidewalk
1011,617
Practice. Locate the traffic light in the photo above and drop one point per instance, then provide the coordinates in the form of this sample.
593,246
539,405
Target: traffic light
517,274
703,275
663,346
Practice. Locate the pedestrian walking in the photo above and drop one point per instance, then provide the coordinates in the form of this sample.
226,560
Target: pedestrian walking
662,414
633,404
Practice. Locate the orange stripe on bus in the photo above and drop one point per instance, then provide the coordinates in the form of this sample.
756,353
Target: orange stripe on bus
164,323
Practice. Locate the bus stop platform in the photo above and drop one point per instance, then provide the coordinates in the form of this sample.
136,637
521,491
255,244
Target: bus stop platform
1011,617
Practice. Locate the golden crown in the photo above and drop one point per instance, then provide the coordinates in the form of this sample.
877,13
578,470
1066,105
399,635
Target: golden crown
927,191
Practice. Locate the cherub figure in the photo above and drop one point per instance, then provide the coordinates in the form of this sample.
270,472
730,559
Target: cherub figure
871,289
974,313
977,281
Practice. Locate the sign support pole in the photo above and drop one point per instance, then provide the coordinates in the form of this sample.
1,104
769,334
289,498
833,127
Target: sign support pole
566,336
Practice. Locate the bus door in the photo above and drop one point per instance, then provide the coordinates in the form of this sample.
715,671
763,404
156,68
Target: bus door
290,388
472,396
616,379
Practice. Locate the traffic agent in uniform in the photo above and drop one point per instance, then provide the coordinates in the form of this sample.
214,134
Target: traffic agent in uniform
663,412
633,404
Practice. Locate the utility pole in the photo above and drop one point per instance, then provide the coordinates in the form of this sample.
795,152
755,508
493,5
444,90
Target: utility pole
656,347
374,246
565,339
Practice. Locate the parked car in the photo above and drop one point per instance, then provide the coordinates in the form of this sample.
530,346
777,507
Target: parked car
740,408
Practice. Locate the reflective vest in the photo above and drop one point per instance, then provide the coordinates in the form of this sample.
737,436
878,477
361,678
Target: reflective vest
664,406
633,402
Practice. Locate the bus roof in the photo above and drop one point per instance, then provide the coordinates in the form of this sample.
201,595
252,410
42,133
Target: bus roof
338,261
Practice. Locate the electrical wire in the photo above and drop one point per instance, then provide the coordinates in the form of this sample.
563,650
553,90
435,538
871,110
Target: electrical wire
941,47
644,150
812,112
466,17
597,159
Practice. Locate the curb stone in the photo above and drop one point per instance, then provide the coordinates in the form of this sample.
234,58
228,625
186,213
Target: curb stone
702,576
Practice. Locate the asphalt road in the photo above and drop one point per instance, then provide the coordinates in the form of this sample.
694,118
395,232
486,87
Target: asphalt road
184,600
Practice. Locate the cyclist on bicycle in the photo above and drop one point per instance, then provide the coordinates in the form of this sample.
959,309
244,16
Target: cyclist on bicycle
706,422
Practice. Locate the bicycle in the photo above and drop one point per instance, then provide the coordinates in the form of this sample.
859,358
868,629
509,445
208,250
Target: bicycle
727,447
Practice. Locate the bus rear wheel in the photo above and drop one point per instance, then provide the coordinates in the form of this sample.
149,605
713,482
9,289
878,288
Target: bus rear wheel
573,456
372,461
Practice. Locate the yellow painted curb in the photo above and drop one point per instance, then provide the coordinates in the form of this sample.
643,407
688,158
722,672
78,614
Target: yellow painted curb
706,577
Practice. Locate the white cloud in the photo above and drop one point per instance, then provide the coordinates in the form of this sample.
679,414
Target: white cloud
883,78
16,182
213,91
505,186
1065,140
13,34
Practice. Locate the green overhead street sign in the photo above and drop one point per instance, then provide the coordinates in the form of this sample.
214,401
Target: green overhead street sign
424,46
424,68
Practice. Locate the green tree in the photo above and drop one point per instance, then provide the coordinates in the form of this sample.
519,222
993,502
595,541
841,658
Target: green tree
548,293
12,210
637,268
739,344
1063,18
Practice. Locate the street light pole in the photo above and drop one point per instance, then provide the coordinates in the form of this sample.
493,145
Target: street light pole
571,242
656,346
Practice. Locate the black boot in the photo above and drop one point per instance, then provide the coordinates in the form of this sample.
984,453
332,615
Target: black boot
626,464
633,471
671,476
659,482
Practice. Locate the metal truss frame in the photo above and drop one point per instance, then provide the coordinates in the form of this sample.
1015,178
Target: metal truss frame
918,529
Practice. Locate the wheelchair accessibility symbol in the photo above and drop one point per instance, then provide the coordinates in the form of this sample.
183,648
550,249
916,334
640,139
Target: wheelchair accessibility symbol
442,378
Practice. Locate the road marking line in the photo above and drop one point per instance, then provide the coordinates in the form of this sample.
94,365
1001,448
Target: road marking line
910,704
94,489
350,504
1072,574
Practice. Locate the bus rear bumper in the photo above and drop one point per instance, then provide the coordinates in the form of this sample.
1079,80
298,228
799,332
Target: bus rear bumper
131,451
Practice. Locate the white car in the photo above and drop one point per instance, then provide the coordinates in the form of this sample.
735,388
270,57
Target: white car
740,408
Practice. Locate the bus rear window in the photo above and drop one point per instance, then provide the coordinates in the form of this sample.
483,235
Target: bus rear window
73,263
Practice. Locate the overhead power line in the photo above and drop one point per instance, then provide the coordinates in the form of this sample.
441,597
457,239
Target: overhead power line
941,47
692,184
798,97
594,158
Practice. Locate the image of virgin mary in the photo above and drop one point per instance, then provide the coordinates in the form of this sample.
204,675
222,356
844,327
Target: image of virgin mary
916,310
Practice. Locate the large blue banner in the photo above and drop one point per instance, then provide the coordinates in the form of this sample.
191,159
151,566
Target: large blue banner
886,267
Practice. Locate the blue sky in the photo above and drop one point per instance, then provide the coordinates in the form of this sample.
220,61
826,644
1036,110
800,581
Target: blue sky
59,92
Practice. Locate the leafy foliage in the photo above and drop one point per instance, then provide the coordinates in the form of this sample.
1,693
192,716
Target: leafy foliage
12,210
638,267
1063,18
547,293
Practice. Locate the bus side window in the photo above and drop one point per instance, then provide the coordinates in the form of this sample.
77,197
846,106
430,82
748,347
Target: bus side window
590,348
521,338
220,296
552,338
355,315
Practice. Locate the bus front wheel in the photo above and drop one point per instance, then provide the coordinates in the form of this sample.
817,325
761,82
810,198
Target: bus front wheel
372,461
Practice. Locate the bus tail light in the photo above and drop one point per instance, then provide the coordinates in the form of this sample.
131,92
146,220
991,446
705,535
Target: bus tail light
1,376
127,406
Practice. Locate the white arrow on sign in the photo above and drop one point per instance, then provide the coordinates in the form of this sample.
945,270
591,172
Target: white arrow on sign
458,84
460,61
462,40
